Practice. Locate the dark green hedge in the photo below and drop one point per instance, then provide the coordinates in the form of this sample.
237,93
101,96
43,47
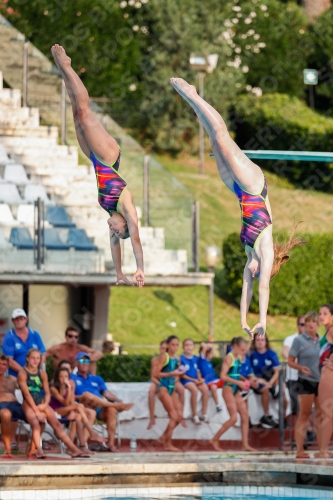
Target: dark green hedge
280,122
126,368
303,284
131,367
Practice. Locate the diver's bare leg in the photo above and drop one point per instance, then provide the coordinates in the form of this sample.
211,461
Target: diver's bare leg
232,163
78,129
96,137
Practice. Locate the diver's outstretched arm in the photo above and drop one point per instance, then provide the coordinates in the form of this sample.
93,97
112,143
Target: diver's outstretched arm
116,257
247,292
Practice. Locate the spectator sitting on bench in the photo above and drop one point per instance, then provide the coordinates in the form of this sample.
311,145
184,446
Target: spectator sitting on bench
90,391
9,406
63,403
19,340
193,381
70,348
266,367
207,371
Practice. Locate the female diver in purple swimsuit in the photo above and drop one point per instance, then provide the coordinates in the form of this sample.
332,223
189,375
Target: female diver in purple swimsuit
103,150
246,180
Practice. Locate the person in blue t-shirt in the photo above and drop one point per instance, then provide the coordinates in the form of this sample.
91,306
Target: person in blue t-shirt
193,381
207,371
90,390
19,340
266,367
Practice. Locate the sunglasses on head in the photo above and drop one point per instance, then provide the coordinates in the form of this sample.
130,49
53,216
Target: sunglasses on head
72,336
84,361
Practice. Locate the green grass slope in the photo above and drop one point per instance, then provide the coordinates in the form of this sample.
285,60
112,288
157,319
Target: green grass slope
145,317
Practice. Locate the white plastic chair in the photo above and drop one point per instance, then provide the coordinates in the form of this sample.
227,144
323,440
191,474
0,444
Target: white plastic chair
25,214
9,194
6,216
16,173
34,191
4,160
3,242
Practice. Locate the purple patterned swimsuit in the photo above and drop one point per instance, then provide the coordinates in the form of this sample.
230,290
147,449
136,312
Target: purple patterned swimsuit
255,216
109,184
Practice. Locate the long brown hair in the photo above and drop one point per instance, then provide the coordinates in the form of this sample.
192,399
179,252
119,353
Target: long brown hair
253,343
281,250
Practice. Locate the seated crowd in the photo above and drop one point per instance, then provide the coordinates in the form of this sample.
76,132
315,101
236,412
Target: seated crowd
80,396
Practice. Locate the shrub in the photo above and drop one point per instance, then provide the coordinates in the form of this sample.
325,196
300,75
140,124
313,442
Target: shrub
132,368
281,122
129,368
301,285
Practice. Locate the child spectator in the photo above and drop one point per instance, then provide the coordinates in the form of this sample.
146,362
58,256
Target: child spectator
36,397
266,367
207,371
63,403
231,373
154,387
166,370
193,381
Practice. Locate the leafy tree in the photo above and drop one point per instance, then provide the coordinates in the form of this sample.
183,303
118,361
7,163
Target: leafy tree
175,30
95,34
272,43
321,36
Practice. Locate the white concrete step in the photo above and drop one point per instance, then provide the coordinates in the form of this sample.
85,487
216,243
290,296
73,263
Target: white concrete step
20,144
42,131
161,262
10,98
21,117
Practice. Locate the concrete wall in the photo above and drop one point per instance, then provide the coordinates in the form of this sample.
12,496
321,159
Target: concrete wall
51,308
11,297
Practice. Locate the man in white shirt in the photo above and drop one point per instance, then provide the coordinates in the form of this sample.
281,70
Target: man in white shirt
291,373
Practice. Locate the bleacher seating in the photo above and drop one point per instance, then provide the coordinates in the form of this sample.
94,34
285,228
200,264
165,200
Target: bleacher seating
21,238
34,191
9,194
4,160
4,244
79,239
6,216
58,217
52,240
15,173
25,214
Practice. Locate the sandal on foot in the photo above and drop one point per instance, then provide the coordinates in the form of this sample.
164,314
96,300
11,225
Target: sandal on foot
7,455
196,420
81,456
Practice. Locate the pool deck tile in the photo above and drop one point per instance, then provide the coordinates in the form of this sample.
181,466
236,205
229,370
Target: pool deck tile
6,495
29,495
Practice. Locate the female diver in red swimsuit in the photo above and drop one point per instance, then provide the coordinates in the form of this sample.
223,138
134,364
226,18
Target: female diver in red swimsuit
246,180
103,150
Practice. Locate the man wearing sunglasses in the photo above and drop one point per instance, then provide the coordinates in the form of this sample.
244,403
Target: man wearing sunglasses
19,340
92,392
70,348
291,373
